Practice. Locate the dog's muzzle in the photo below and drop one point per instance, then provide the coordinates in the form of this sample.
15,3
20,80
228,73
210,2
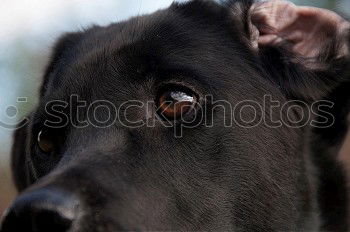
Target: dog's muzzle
42,210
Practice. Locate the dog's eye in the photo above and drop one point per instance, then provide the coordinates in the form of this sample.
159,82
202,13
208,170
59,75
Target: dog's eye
45,143
173,104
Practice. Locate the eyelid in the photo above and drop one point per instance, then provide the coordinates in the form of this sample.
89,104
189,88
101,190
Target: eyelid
181,85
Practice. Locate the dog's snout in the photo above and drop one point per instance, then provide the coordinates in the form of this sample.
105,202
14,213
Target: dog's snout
41,210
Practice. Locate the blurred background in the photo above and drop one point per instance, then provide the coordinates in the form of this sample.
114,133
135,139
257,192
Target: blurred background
28,30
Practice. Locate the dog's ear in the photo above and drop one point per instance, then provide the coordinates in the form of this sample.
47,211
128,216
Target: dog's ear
63,52
305,50
19,165
310,32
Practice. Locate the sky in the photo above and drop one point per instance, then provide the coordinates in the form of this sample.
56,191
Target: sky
39,17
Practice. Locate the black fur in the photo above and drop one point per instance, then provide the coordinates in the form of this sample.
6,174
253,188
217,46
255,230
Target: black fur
212,178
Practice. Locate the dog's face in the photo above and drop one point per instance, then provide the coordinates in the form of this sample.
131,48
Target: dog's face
174,172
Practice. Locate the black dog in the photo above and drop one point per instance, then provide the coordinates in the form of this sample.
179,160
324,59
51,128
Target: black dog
179,173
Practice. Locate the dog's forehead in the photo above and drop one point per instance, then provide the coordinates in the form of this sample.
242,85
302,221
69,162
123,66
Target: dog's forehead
181,26
123,52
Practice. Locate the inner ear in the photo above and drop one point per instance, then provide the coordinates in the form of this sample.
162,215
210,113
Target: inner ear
309,33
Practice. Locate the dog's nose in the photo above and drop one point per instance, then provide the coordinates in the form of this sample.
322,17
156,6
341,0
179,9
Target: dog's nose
41,210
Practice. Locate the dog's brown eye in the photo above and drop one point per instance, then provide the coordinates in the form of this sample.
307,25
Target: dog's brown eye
175,104
45,143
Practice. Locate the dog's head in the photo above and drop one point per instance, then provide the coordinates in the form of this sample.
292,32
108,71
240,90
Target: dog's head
155,124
